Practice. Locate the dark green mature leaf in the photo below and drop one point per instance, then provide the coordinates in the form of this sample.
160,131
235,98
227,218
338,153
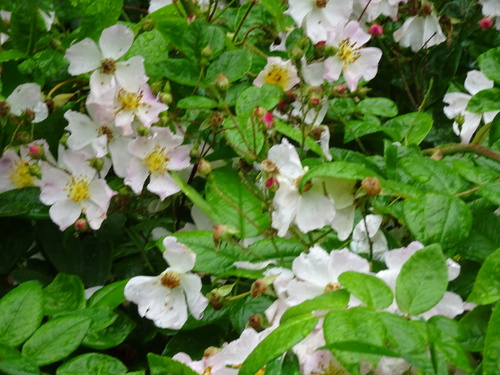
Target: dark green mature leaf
412,127
26,27
276,248
290,365
487,286
475,323
245,308
13,363
202,40
92,363
267,97
56,339
195,341
17,238
489,63
484,101
278,342
438,218
197,102
97,15
494,134
422,281
491,359
290,132
235,204
244,135
337,299
110,296
233,64
378,107
183,71
21,312
111,336
369,289
356,129
483,238
159,365
491,192
64,293
23,202
473,173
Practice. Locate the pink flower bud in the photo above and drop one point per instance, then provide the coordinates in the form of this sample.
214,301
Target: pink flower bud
486,23
314,102
268,119
272,184
81,225
376,30
36,151
340,88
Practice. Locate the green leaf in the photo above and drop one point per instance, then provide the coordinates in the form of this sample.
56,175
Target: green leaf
182,71
110,296
199,37
240,208
244,135
65,293
337,299
197,102
290,132
489,63
477,175
21,312
438,218
487,286
360,325
92,363
412,127
276,248
484,101
17,238
23,202
290,365
56,339
100,319
245,308
13,363
367,288
378,107
112,335
494,134
491,359
278,342
11,54
422,281
483,238
267,97
159,365
491,192
475,323
233,64
356,129
97,15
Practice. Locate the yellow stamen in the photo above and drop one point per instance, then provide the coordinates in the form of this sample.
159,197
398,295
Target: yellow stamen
108,66
331,286
157,161
278,76
78,188
171,279
129,100
347,52
107,131
20,174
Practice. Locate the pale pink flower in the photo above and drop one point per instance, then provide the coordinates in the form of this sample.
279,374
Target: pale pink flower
491,9
154,156
28,97
420,32
85,56
278,72
166,298
351,59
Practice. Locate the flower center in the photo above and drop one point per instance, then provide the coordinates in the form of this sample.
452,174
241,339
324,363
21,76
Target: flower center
320,3
157,161
20,174
277,76
171,279
129,100
347,52
108,66
78,188
331,287
208,371
106,130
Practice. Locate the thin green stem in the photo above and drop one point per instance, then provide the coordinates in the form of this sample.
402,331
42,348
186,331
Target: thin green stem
242,21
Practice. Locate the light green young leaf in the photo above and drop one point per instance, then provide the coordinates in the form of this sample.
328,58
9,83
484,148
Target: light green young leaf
378,107
233,64
267,97
411,127
64,293
484,101
491,359
337,299
110,296
159,365
197,102
489,63
369,289
244,135
487,286
422,281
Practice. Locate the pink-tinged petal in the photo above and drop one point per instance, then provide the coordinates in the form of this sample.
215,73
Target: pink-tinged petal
102,84
131,74
120,155
53,185
476,81
101,108
64,213
25,96
179,257
338,11
312,266
333,68
94,214
345,260
148,114
166,138
163,185
179,158
343,222
313,73
83,129
124,121
196,301
77,163
137,172
83,57
100,147
100,194
450,306
356,34
316,23
115,41
314,211
140,147
286,159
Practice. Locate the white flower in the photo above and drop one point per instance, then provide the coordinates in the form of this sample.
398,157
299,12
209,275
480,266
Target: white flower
420,32
491,9
154,156
165,298
154,5
457,102
367,237
115,41
74,192
278,72
354,61
28,97
316,16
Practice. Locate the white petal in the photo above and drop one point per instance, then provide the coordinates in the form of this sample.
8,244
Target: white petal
83,129
285,203
131,74
83,57
298,291
314,211
476,81
333,68
457,102
102,84
163,185
137,172
120,155
196,301
64,213
286,159
115,41
312,267
343,222
179,158
53,185
345,260
179,257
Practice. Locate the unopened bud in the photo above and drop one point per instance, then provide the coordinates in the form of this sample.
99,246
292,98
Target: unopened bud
314,102
375,30
23,138
147,24
207,51
204,167
486,23
296,53
216,120
371,186
255,322
97,164
143,131
194,153
166,97
223,233
59,100
459,119
222,83
272,184
4,108
36,151
35,170
64,139
258,288
82,226
56,44
259,112
340,89
268,120
426,9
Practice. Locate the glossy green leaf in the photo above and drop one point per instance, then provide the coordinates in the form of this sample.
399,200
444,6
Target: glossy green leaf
197,102
422,281
487,286
111,336
475,324
485,101
483,238
337,299
295,134
378,107
244,135
475,174
356,129
267,97
491,192
233,64
110,296
290,365
245,308
17,238
56,339
183,71
13,363
278,342
411,128
491,359
489,63
21,312
494,134
64,293
23,202
369,289
438,218
97,15
159,365
92,363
